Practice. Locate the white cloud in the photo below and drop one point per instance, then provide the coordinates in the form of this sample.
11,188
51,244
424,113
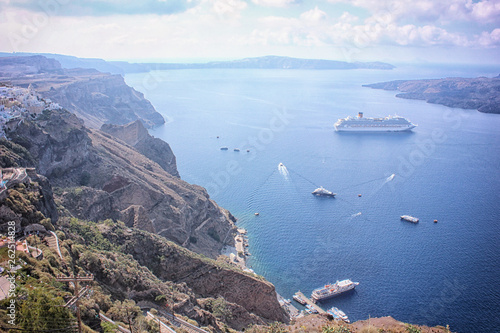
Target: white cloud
488,11
490,39
229,8
275,3
445,11
348,18
314,15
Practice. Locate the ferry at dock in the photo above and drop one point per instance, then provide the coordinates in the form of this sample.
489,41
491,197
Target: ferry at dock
336,313
361,124
332,290
299,299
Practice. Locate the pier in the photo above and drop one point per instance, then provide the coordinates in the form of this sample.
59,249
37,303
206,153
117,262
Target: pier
312,304
285,304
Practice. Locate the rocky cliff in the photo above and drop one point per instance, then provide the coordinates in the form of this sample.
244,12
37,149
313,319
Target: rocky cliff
15,66
137,136
97,98
102,99
122,183
468,93
254,298
28,202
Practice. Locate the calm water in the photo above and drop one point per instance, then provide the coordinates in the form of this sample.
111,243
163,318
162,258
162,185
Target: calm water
446,169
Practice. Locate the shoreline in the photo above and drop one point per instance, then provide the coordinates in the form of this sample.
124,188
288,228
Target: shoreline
238,254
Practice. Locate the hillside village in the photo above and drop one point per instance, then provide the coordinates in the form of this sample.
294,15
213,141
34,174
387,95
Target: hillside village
17,103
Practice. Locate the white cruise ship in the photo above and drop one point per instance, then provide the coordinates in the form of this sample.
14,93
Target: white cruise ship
360,124
331,290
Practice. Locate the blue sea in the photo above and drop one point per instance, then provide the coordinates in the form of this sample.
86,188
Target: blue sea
447,168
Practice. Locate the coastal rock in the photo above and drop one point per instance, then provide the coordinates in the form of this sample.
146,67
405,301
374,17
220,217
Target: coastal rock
479,93
119,178
97,98
103,98
254,298
137,136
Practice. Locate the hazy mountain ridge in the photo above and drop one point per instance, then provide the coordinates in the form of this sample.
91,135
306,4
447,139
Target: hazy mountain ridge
479,93
273,62
265,62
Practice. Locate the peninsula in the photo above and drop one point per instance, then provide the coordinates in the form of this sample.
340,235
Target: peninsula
467,93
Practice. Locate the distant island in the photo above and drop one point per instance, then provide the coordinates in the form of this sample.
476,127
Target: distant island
266,62
275,62
480,93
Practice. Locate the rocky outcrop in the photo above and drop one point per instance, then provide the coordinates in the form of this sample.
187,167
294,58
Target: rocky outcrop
254,298
104,98
97,98
137,136
28,202
467,93
36,64
121,182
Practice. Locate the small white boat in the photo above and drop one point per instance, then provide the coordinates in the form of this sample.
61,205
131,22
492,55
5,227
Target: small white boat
322,192
409,218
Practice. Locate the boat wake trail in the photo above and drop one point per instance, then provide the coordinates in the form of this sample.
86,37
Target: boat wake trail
283,171
391,177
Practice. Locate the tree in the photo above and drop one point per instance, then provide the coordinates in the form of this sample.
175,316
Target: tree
42,310
125,311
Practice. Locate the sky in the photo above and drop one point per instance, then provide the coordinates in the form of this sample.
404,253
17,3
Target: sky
441,31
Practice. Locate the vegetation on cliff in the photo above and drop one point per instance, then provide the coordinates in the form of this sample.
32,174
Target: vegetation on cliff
121,183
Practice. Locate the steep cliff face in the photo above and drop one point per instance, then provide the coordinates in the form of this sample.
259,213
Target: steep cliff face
104,98
28,202
97,98
137,136
13,66
122,183
254,298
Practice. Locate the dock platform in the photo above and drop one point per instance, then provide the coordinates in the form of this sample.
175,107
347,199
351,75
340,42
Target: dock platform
292,311
311,303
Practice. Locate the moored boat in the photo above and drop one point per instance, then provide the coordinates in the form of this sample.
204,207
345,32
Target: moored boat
299,299
338,314
331,290
409,218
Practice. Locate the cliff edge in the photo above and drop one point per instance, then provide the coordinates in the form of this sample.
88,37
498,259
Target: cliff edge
137,136
467,93
101,177
97,98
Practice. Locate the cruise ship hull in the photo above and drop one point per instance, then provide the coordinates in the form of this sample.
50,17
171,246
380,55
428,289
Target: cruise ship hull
331,295
373,129
332,290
